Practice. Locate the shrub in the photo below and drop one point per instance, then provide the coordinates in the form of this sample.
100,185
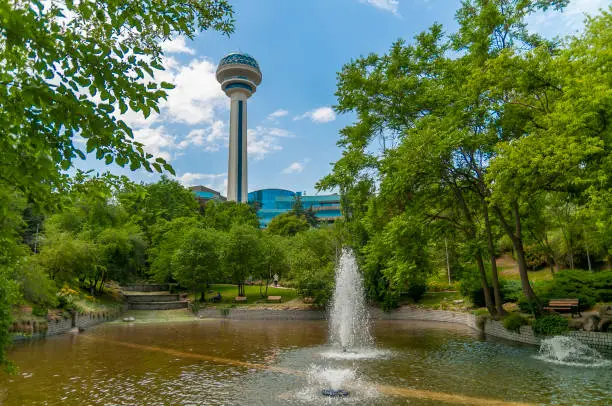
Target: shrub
471,287
511,291
550,325
390,301
416,290
514,322
40,311
195,306
588,287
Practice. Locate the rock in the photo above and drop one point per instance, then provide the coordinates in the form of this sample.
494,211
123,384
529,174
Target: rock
605,325
576,324
591,323
458,301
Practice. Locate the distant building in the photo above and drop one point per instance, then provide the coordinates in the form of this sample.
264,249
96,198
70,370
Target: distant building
272,202
204,194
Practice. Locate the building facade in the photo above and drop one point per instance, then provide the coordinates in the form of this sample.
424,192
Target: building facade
273,202
204,194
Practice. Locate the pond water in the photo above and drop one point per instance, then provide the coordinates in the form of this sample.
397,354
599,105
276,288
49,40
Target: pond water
224,362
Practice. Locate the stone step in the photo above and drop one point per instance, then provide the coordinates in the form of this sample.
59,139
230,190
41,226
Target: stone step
151,298
157,305
145,288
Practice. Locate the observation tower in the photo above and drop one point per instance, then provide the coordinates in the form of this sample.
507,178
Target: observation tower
239,75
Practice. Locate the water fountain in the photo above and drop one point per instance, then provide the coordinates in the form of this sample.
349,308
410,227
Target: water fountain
349,326
349,321
569,351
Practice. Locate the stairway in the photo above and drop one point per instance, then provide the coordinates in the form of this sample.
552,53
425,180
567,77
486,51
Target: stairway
148,298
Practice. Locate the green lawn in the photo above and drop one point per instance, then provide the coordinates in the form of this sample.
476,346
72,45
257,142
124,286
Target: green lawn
229,292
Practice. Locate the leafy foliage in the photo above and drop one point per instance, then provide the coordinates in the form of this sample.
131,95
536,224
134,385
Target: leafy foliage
550,325
514,322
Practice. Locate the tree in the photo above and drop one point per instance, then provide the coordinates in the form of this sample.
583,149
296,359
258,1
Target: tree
274,260
287,225
224,215
166,237
242,254
196,261
312,259
67,70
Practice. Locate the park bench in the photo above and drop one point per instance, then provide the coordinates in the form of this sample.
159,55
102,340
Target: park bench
563,305
215,299
275,299
240,299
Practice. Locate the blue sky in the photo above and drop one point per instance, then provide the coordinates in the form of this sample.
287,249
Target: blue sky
300,46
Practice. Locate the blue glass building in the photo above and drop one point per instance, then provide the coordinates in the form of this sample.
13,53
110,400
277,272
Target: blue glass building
272,202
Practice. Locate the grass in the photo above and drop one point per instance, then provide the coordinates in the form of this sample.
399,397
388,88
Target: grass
434,298
534,276
229,292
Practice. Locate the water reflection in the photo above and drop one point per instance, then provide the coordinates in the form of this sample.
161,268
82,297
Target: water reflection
224,362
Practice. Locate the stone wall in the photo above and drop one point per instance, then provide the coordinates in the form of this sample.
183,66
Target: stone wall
600,341
524,335
146,288
64,325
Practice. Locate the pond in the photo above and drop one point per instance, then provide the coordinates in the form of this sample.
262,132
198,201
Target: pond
225,362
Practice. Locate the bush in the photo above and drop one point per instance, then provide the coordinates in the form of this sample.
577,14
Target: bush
514,322
588,287
35,285
40,311
472,288
195,306
511,291
390,301
416,290
550,325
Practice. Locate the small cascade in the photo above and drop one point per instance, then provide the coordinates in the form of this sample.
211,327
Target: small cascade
569,351
349,321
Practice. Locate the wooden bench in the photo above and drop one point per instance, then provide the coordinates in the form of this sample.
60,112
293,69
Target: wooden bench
563,305
240,299
215,299
275,299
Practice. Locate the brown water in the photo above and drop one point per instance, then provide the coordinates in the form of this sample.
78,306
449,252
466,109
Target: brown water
222,362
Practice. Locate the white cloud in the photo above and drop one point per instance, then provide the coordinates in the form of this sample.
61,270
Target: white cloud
296,167
211,138
214,181
196,99
553,23
177,46
277,114
156,141
386,5
319,115
197,95
262,141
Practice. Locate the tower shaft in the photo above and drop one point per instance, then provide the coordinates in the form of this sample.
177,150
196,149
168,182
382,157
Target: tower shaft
237,174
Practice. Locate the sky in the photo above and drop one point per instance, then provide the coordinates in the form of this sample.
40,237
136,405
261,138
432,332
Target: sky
300,46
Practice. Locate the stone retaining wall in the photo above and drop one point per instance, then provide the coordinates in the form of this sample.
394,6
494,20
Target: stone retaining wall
80,320
600,341
146,288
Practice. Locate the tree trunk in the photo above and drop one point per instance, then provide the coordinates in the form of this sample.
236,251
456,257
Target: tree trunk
494,277
517,242
485,285
471,235
203,296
